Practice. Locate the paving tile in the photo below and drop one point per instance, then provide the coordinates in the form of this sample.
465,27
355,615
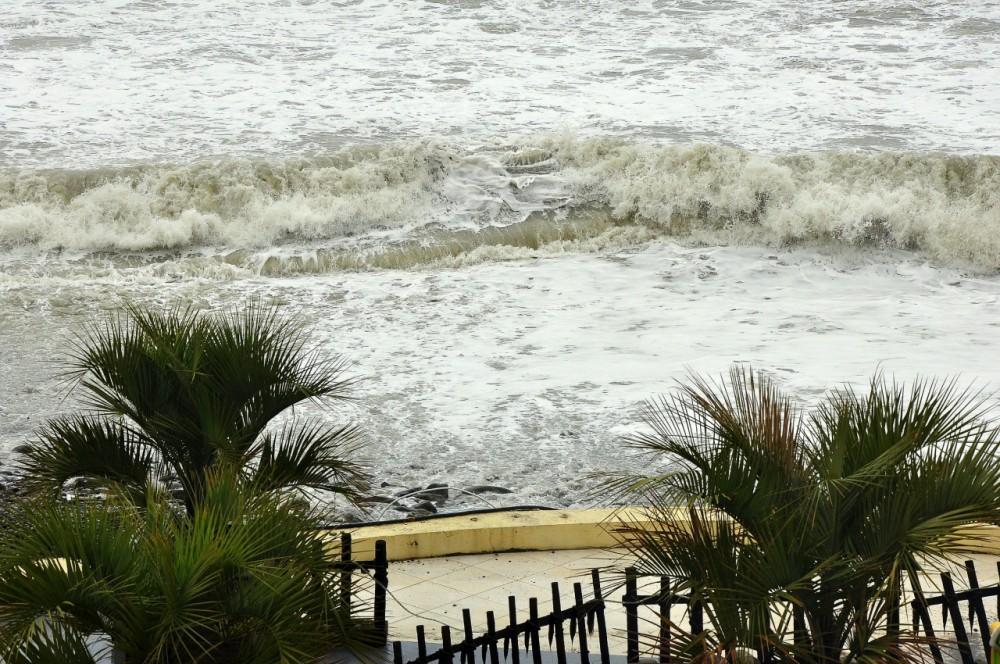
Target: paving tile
427,596
405,629
517,566
401,580
474,580
523,592
431,567
451,613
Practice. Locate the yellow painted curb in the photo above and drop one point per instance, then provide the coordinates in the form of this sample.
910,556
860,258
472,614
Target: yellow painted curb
535,530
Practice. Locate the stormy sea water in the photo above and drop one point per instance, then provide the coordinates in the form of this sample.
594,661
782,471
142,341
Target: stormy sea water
517,219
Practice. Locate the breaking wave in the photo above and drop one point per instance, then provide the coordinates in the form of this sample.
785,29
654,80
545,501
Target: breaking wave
405,205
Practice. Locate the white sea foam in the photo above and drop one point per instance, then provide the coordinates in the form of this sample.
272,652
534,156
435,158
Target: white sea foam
412,204
518,218
525,374
106,81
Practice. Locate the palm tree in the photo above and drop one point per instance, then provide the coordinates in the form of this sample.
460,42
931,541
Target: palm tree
245,579
172,394
799,530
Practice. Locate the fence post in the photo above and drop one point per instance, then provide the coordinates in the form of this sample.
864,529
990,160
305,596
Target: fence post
346,575
665,604
536,645
491,638
602,626
397,652
893,618
921,612
977,607
446,654
696,620
381,588
421,644
557,625
630,600
467,650
515,651
581,619
956,618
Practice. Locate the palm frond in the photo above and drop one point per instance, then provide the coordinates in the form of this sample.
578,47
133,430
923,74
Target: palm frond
104,451
311,456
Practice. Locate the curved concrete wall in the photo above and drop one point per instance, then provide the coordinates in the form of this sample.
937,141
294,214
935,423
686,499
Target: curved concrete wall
535,530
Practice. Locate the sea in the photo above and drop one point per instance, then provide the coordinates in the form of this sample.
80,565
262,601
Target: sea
517,220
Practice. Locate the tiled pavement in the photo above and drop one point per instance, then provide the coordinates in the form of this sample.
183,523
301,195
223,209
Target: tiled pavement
433,592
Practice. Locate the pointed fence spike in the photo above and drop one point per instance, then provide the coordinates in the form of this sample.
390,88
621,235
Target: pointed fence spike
421,643
536,646
580,616
446,652
491,638
468,651
920,609
531,636
664,608
956,619
602,627
977,608
489,635
557,624
510,641
630,600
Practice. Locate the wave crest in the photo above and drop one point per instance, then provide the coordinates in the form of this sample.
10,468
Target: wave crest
424,202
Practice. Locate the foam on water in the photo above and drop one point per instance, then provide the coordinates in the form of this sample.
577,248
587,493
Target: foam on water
415,204
517,218
525,374
86,84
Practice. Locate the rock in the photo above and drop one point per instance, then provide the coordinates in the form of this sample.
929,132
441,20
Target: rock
436,492
426,506
78,483
21,449
407,492
485,488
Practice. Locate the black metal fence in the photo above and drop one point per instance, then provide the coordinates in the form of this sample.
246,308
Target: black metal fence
378,570
577,622
951,607
585,620
952,603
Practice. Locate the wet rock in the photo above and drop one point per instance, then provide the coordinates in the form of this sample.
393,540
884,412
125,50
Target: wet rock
485,488
407,492
426,506
78,483
21,449
437,492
